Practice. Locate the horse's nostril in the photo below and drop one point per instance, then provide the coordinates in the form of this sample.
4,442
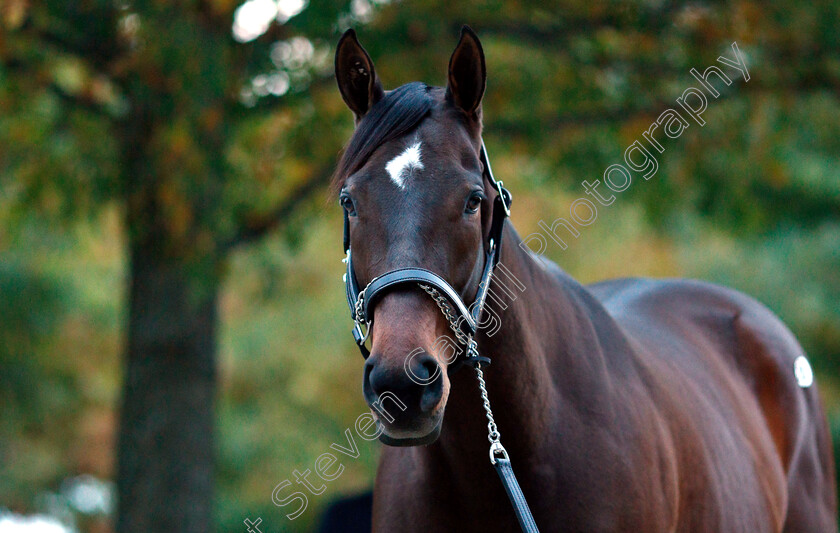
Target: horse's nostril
381,378
433,390
430,370
367,381
422,389
421,373
422,369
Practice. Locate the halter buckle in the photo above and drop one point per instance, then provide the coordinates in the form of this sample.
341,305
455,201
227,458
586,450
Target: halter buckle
507,198
499,185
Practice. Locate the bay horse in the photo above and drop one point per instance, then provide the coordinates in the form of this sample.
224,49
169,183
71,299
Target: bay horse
631,405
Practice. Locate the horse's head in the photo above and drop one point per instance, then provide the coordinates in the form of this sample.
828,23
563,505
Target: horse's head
411,183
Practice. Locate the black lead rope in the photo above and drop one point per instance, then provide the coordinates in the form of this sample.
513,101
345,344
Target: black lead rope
463,322
517,499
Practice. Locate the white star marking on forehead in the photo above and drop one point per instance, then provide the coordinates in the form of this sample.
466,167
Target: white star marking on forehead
399,167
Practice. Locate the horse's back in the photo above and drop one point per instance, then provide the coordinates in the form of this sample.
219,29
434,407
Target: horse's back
726,344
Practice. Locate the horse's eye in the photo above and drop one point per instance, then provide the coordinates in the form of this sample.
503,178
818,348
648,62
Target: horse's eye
347,203
473,202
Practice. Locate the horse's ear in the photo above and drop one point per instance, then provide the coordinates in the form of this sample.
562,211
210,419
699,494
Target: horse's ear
467,73
356,76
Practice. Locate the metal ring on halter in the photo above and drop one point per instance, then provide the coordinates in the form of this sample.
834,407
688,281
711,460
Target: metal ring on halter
360,336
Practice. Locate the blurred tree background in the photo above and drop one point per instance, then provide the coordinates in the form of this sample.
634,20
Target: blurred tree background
171,306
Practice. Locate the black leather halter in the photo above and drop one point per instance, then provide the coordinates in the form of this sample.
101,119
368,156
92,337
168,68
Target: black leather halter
362,302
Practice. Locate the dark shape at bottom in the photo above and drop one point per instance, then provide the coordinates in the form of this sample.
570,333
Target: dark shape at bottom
350,514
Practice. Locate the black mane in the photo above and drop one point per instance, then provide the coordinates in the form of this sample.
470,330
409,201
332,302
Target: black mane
398,112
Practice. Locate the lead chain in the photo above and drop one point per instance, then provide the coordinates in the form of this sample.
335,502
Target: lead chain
360,308
492,431
447,312
493,434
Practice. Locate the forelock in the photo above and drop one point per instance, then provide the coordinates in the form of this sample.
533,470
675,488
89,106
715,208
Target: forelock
400,111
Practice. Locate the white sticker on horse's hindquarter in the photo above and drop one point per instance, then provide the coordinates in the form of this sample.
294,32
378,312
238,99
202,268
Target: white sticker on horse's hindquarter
803,372
399,166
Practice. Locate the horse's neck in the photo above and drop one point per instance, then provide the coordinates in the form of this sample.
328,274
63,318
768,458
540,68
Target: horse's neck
546,358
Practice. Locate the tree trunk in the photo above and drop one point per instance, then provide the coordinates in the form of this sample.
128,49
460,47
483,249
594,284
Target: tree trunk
165,451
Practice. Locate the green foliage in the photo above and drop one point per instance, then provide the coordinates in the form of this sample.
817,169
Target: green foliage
60,313
37,394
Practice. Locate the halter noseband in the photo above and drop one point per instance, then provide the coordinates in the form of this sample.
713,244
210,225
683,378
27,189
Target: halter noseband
362,302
